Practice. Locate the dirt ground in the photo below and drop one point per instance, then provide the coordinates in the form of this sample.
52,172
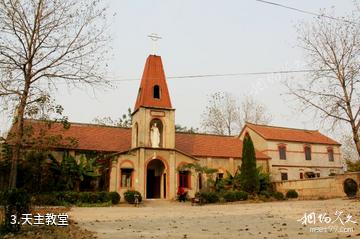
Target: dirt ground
50,232
164,219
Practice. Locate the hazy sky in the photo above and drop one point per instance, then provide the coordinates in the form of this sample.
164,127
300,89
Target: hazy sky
202,37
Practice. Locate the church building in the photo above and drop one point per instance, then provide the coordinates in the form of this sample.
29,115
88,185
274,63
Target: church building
150,165
147,156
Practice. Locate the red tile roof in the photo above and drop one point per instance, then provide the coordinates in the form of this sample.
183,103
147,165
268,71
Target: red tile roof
88,136
289,134
153,75
115,139
211,145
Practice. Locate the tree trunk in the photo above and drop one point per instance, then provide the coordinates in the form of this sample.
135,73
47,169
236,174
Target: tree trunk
19,133
356,140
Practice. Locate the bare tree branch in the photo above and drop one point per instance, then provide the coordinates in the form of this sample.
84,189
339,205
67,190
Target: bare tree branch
333,88
43,43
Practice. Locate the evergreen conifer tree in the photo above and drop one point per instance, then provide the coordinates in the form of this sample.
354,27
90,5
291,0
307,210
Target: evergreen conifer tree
249,178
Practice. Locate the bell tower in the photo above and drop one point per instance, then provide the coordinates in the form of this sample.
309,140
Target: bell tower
153,119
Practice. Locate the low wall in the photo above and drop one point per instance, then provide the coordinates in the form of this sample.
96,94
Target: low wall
314,188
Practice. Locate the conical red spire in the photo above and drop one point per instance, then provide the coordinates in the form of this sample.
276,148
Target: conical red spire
153,91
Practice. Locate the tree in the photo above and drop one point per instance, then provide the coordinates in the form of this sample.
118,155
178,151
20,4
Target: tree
199,170
180,128
353,166
348,148
42,44
333,87
124,121
253,112
225,116
249,177
70,172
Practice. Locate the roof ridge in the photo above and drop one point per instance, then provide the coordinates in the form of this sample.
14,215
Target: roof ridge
78,123
206,134
281,127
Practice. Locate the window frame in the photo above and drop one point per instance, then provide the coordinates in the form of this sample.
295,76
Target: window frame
128,173
283,174
184,180
280,148
156,92
307,157
330,152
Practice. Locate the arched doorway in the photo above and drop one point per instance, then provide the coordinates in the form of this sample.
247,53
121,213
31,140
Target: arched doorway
156,179
350,187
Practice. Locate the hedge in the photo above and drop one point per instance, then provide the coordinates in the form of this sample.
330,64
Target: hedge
232,196
292,194
210,197
73,198
129,196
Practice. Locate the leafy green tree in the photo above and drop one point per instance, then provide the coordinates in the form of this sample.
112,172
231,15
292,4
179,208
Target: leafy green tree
249,177
70,172
199,170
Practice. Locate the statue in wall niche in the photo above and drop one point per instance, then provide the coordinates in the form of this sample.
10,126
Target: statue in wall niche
155,136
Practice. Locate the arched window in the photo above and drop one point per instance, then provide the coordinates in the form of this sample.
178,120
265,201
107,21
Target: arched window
156,133
156,92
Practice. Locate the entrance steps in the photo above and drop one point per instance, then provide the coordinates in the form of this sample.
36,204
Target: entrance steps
158,203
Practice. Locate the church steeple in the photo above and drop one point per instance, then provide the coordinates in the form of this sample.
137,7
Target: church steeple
153,91
153,119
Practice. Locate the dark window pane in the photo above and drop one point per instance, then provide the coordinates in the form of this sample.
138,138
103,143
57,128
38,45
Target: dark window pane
284,176
331,155
282,152
156,92
184,179
126,179
307,153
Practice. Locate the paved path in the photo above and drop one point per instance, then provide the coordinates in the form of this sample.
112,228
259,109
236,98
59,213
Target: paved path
164,219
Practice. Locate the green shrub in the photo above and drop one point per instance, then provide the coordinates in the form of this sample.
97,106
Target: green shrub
129,196
241,195
210,197
104,196
71,197
75,198
115,197
16,202
292,194
230,196
350,187
279,196
46,200
265,194
2,199
84,197
93,198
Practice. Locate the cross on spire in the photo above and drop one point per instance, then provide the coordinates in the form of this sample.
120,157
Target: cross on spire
154,37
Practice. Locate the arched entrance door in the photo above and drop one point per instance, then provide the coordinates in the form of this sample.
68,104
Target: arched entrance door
155,179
